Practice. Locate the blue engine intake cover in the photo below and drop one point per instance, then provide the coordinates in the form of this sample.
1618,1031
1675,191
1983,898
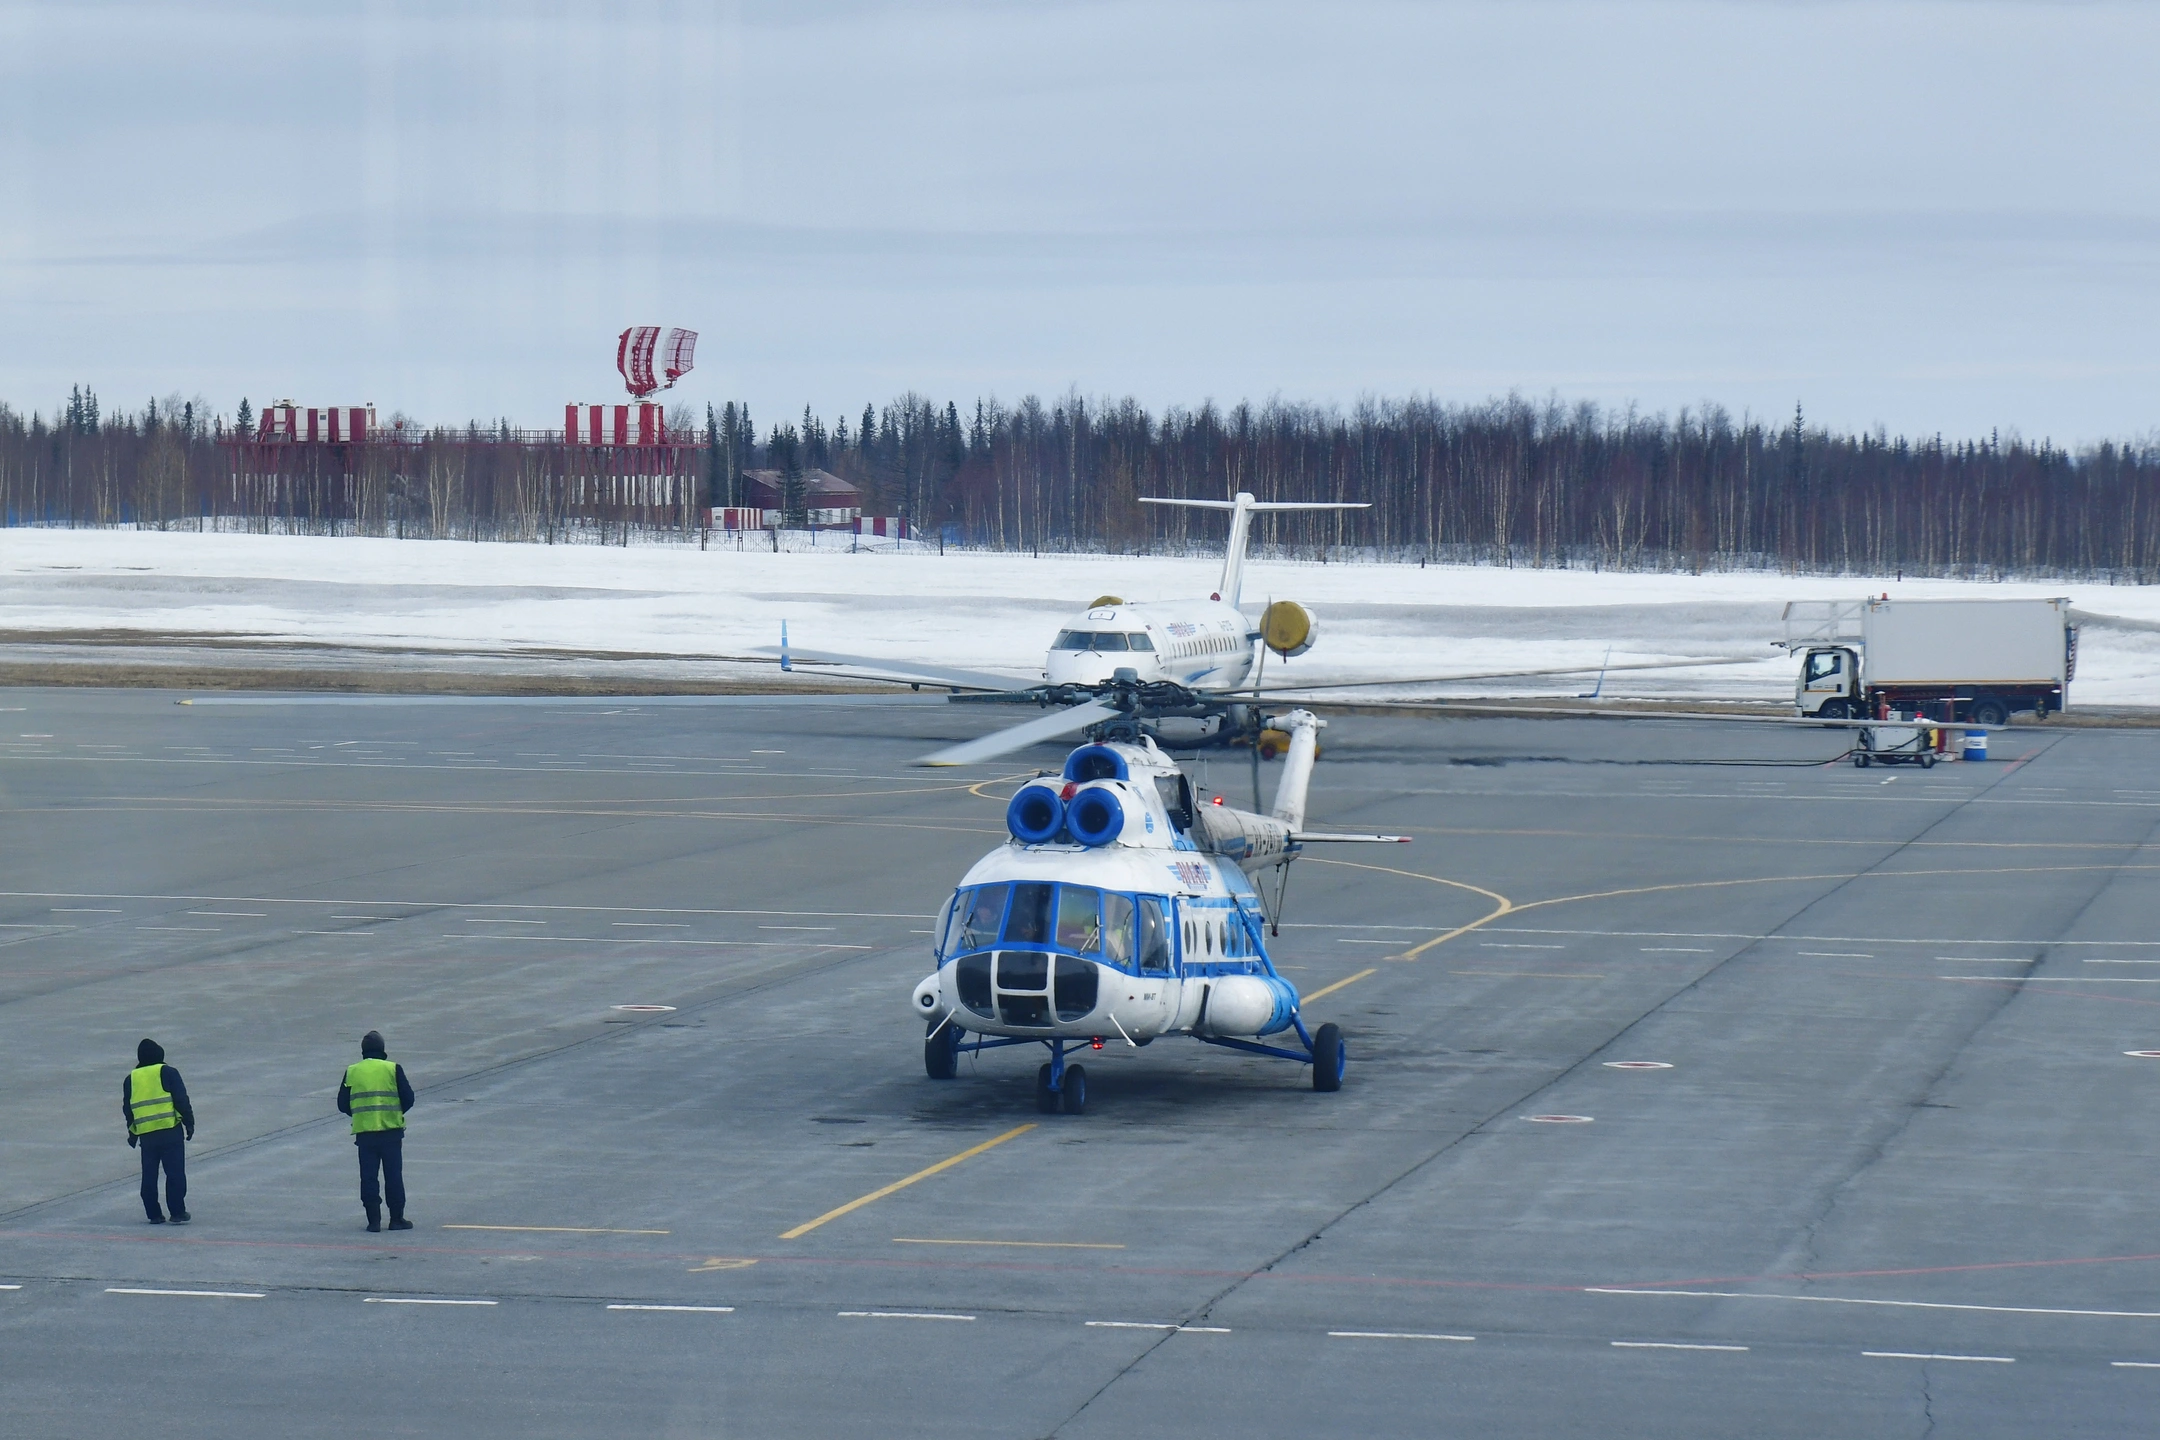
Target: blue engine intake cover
1035,815
1095,816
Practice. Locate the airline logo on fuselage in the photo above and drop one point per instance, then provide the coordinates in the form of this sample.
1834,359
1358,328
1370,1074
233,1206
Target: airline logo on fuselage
1193,874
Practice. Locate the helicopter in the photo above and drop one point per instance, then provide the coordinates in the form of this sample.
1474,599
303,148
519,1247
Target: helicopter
1121,910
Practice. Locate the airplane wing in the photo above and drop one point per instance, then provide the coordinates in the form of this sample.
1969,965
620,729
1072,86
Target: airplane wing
1322,836
904,672
1687,664
1532,710
1019,737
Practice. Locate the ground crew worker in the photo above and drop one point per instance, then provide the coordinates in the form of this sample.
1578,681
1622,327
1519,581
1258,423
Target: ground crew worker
376,1094
154,1102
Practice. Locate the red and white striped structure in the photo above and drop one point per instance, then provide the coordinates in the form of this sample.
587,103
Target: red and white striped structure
889,525
337,425
614,425
640,346
736,517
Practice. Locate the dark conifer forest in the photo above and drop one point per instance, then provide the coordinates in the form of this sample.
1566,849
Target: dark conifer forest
1510,482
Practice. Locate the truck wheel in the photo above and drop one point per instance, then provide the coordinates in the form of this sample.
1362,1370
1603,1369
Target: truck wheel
1859,759
1835,710
1990,712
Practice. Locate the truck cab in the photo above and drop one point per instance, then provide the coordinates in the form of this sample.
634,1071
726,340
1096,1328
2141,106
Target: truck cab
1829,685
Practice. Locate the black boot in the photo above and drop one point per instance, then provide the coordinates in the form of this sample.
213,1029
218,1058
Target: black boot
374,1221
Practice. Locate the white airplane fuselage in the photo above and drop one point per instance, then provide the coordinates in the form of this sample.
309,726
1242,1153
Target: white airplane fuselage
1199,644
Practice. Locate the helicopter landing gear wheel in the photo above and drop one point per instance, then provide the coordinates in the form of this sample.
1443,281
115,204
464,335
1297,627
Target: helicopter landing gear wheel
1046,1099
1329,1057
1074,1092
941,1051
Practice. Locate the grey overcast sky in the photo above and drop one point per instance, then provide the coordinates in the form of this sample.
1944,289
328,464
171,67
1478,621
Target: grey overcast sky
1931,216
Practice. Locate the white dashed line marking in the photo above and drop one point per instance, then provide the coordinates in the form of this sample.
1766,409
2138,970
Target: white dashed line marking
202,1294
1394,1335
396,1300
1156,1325
1833,955
233,914
1671,1345
1888,1304
1913,1355
1676,950
2135,1364
899,1315
688,1309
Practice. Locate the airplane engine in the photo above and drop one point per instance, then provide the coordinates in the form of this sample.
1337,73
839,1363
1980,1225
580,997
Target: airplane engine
1249,1005
1288,628
1035,815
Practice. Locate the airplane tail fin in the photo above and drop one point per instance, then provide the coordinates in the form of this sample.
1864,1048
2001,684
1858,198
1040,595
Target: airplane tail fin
1241,511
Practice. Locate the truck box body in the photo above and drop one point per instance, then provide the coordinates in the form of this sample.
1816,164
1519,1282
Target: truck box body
1965,644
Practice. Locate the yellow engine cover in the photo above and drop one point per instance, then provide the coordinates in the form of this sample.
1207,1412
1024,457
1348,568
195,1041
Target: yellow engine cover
1288,628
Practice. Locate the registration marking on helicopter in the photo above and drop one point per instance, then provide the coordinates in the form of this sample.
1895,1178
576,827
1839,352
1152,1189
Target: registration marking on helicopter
901,1184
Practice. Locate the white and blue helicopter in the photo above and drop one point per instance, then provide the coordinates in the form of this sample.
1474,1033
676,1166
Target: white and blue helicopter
1121,911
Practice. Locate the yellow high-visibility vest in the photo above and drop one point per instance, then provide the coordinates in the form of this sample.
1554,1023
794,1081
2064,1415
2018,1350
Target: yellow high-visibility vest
373,1087
150,1104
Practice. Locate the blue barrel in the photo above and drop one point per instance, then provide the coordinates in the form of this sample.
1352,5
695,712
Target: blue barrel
1976,744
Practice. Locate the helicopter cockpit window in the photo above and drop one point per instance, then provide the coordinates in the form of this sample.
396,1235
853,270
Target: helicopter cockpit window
1118,930
976,919
1029,921
1079,918
1154,937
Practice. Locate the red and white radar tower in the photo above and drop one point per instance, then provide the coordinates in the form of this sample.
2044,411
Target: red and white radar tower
641,345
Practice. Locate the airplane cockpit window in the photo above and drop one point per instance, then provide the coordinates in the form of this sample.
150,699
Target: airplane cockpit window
1823,664
1029,921
1071,640
1154,937
1079,918
1141,642
1107,640
976,919
1118,930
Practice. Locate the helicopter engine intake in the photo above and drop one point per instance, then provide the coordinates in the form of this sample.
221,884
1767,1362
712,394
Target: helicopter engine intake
1035,814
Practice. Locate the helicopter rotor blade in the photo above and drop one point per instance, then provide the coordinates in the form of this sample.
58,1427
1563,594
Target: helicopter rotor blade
1019,737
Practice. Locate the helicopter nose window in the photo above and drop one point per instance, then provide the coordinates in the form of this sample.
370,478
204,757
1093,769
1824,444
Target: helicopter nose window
1027,972
1029,922
1076,986
1079,918
1023,970
973,975
1118,930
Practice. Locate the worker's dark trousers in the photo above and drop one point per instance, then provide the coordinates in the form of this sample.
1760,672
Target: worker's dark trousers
163,1147
385,1148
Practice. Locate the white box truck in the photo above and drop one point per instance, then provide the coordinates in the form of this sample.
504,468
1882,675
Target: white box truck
1976,661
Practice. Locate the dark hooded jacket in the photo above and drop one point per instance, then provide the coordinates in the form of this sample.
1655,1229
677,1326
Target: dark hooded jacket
149,1052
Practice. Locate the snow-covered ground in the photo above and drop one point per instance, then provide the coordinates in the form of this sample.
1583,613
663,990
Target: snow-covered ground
991,612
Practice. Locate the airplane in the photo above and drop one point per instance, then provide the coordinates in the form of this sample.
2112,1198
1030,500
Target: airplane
1116,666
1121,909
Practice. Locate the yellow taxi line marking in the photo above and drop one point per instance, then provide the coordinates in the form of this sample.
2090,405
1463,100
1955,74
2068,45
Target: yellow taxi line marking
882,1191
1331,989
556,1229
1016,1244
